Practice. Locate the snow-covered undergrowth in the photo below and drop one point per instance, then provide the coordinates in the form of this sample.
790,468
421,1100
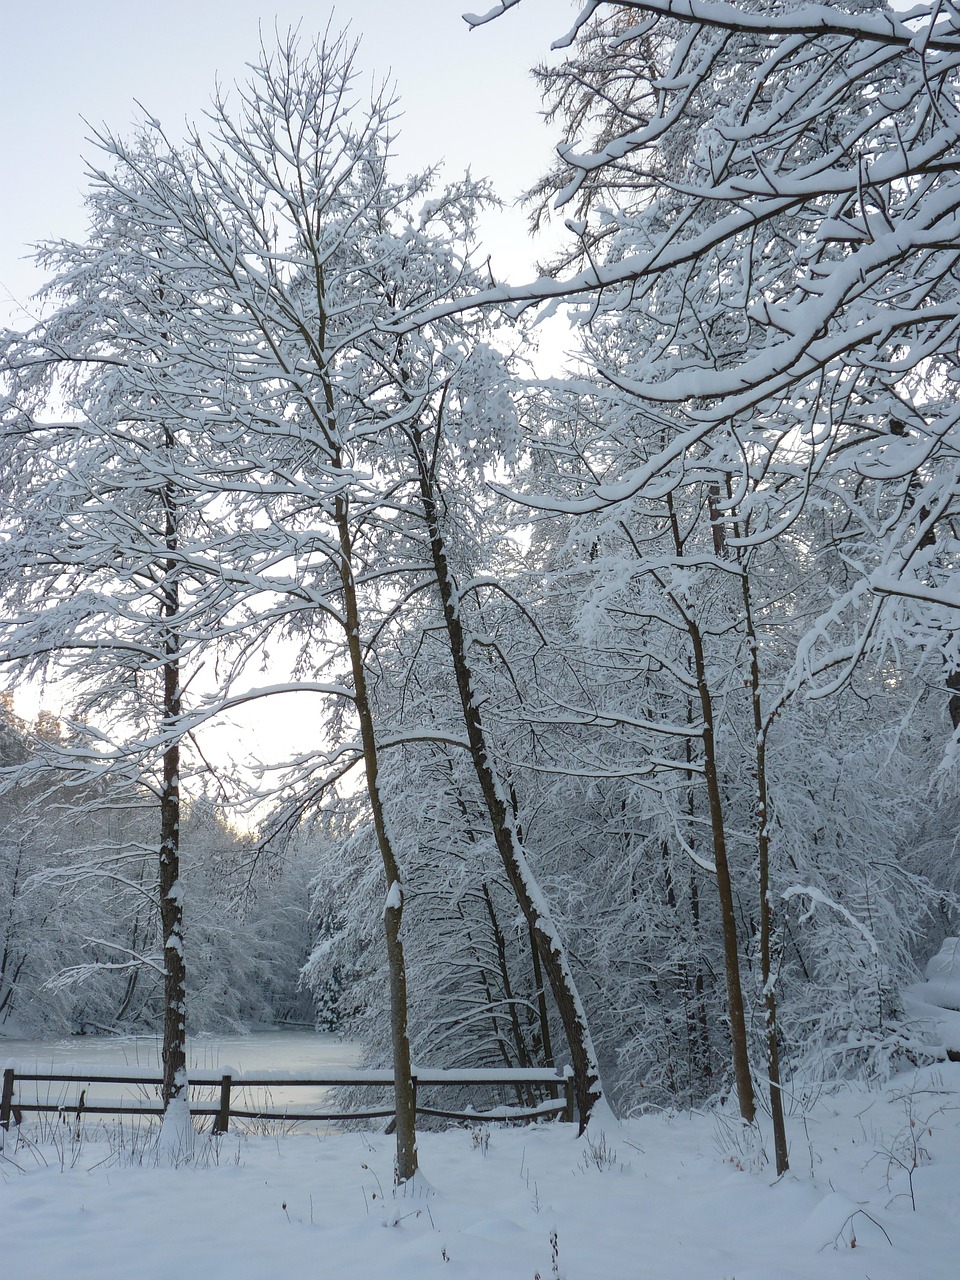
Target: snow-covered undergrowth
873,1192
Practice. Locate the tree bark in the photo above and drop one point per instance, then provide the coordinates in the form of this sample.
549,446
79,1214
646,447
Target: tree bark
731,950
171,899
536,913
404,1097
763,888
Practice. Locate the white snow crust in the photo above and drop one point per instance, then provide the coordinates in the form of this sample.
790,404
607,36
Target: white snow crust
943,975
659,1196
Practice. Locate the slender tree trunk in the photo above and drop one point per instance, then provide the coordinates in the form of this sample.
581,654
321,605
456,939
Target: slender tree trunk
531,902
763,852
491,1002
699,988
131,984
171,898
405,1107
698,984
404,1101
523,1057
763,878
546,1045
731,950
500,945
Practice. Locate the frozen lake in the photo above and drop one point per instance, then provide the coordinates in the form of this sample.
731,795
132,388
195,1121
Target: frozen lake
294,1051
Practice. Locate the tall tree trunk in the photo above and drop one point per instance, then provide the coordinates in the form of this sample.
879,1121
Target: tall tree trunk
731,949
522,881
763,887
546,1045
763,847
698,988
404,1100
404,1096
171,898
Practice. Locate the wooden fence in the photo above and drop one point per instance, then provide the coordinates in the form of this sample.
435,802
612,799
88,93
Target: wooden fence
557,1084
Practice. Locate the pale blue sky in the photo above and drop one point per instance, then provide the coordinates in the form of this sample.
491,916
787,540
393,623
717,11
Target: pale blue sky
467,96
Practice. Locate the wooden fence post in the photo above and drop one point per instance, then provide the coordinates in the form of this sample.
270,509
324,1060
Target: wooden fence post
568,1111
221,1122
6,1098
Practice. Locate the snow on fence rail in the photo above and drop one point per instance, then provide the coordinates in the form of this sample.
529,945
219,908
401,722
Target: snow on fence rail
559,1085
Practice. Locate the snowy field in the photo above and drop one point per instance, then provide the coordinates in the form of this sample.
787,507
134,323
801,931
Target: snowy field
873,1193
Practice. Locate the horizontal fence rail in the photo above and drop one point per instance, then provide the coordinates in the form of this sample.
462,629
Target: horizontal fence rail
558,1084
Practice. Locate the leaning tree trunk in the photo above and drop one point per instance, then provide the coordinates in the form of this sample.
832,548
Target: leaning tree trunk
404,1099
545,938
546,1045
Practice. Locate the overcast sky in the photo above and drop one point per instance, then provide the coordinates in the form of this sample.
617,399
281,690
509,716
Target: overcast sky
467,96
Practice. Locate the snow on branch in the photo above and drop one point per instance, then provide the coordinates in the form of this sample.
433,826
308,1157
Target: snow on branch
818,896
810,20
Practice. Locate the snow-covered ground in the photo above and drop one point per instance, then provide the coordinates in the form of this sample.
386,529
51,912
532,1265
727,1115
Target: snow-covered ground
873,1192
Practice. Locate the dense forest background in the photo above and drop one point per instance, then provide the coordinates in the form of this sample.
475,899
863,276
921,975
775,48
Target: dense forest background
79,911
636,687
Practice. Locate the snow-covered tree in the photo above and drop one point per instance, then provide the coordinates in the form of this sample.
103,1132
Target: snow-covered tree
104,507
774,187
767,195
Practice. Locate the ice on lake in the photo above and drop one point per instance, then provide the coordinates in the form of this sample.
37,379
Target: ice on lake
295,1052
